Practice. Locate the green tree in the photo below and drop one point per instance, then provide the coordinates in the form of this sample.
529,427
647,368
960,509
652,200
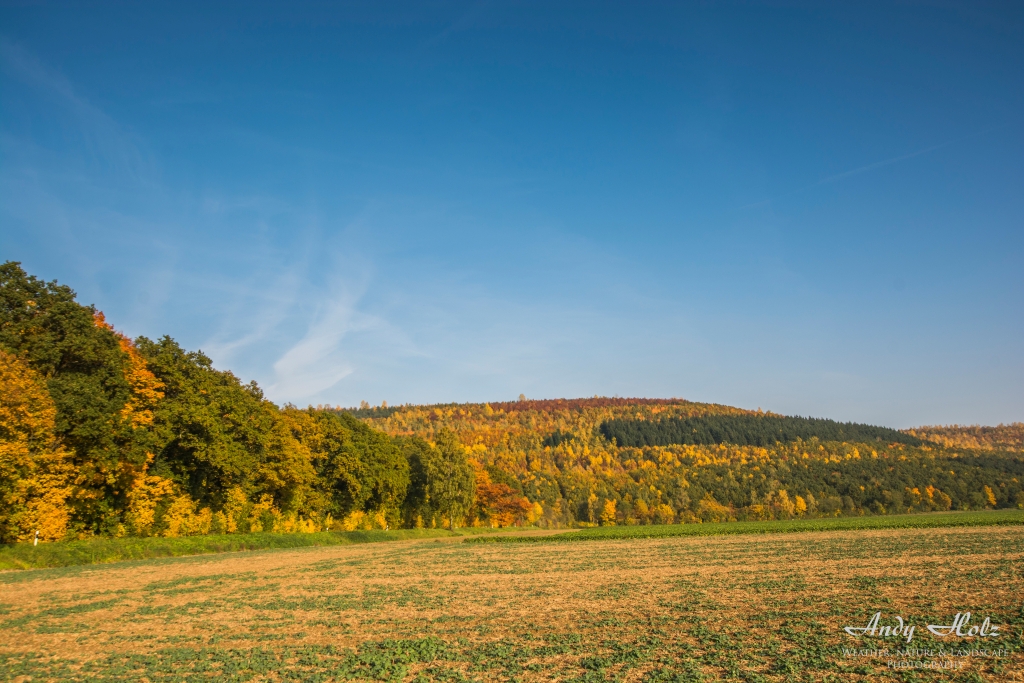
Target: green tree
451,482
357,468
418,453
214,431
87,374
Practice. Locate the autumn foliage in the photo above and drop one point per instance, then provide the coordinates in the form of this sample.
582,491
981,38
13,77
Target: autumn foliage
1003,437
104,435
499,504
556,454
35,473
101,434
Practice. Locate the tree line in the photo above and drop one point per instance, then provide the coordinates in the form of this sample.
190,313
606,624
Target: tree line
104,435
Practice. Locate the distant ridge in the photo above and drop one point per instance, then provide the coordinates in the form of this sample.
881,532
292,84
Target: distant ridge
552,404
546,405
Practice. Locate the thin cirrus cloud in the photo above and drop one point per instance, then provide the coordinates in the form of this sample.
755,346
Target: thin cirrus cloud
66,193
320,360
316,362
335,325
104,140
866,168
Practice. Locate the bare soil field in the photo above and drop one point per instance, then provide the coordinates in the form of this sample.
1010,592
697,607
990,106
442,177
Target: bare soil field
735,608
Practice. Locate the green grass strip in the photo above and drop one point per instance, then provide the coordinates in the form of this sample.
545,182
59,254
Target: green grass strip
104,550
918,521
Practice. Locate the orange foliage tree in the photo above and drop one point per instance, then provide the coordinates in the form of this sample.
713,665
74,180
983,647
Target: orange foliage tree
499,504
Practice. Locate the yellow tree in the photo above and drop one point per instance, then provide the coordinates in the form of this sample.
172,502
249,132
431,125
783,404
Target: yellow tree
608,513
800,505
35,470
990,496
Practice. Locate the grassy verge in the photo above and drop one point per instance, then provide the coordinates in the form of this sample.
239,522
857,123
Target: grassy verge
921,521
103,550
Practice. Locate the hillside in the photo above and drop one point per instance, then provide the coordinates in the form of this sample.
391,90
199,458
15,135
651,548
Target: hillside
556,453
102,435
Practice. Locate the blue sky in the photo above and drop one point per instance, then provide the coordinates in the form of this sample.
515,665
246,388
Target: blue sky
813,208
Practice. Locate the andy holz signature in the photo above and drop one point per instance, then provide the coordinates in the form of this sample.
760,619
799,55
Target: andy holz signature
959,627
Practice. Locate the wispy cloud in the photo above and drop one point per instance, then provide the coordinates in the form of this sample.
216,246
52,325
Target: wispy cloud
865,169
71,187
253,311
317,362
327,353
872,167
105,140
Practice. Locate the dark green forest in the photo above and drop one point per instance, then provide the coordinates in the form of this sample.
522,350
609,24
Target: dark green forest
745,430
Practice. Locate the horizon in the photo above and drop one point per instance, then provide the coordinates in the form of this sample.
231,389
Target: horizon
812,210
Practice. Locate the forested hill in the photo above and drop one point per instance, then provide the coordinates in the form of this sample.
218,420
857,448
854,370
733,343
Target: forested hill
747,464
105,435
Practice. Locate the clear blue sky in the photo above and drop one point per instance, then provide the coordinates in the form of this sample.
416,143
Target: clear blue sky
810,208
